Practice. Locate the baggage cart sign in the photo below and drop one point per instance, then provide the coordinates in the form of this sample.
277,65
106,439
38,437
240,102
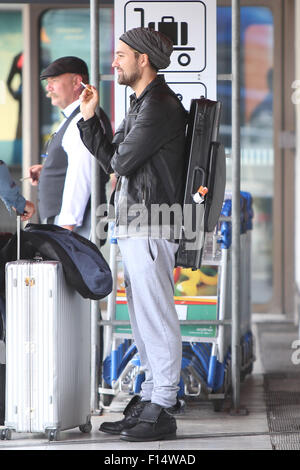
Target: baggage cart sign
192,27
184,23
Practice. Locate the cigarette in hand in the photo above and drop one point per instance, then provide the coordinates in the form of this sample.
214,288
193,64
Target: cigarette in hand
85,86
26,178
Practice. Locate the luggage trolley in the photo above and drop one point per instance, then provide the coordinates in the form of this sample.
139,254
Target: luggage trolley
203,303
201,313
202,277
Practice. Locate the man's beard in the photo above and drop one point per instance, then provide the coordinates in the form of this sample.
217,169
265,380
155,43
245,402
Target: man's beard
129,79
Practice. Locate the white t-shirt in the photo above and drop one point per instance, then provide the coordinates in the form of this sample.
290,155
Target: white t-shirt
77,188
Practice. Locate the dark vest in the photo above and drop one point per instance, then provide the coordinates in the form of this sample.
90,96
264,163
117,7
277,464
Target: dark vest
53,174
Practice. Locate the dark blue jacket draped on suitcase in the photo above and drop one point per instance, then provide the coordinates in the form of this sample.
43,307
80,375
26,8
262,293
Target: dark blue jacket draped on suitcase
84,266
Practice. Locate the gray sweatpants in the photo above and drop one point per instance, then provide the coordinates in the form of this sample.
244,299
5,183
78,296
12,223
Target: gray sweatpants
148,271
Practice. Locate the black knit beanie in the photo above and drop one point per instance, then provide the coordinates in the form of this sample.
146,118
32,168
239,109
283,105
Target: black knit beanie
156,45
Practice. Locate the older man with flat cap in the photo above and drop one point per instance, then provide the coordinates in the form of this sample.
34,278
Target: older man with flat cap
64,179
147,154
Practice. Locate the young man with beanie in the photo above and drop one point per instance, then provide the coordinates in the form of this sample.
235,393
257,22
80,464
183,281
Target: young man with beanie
64,180
147,155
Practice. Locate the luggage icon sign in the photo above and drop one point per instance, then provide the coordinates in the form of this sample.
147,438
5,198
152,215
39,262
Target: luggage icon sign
177,31
169,26
183,22
192,25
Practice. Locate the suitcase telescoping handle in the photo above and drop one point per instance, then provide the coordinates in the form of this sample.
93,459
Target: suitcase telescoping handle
18,236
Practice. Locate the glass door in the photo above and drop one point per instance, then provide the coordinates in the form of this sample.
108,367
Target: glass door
261,158
11,61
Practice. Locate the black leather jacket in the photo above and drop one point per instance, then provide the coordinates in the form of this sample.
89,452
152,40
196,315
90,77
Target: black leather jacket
147,153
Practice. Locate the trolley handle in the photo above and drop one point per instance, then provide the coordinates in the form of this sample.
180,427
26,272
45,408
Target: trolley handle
18,237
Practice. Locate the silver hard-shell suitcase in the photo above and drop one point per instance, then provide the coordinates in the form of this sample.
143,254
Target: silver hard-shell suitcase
48,350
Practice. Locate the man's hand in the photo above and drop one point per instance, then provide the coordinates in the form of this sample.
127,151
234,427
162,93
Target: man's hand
29,210
34,172
68,227
89,99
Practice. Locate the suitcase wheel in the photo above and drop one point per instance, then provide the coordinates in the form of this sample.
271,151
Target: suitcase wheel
86,428
5,434
53,434
218,404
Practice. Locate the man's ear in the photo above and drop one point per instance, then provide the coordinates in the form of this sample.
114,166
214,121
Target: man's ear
76,82
144,60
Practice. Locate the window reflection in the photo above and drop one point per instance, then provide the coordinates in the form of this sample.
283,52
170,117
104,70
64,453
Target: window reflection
11,87
10,101
256,116
67,32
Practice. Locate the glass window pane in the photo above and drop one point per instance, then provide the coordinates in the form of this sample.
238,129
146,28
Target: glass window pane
257,159
10,101
67,32
11,87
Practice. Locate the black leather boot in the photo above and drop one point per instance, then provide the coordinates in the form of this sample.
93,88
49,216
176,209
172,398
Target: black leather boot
177,409
154,423
131,413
